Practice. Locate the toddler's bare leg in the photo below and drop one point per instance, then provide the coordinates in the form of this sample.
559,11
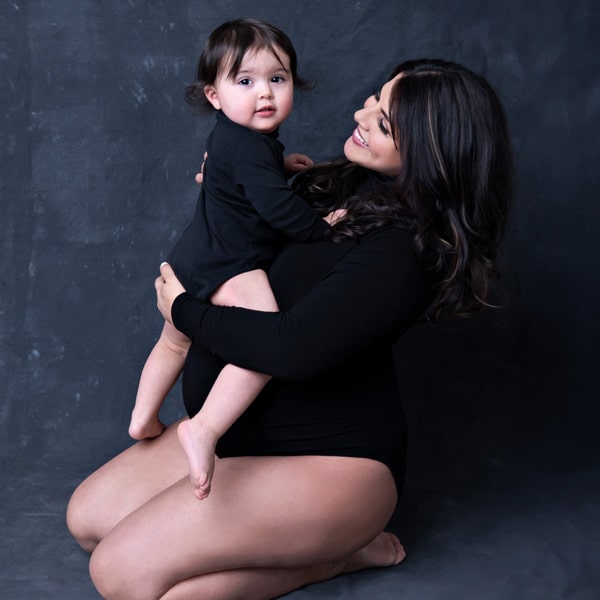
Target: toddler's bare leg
160,372
233,391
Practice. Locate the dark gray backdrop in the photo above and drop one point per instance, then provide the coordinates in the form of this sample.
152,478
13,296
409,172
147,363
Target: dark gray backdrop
98,153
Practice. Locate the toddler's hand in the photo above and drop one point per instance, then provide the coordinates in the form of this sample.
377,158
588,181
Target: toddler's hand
295,162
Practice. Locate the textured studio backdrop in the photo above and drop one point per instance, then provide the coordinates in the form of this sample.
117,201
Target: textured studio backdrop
97,155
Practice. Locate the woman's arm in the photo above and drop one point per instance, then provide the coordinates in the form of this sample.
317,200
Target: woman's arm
372,294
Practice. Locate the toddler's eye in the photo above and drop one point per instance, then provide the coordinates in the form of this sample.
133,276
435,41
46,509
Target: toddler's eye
277,79
245,81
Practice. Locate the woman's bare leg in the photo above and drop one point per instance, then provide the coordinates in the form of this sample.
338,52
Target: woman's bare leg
234,389
163,366
276,513
124,484
263,583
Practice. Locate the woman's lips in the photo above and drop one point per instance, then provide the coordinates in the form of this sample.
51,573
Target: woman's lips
358,139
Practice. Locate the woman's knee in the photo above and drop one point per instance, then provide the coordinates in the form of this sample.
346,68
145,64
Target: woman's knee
106,575
80,519
118,573
87,517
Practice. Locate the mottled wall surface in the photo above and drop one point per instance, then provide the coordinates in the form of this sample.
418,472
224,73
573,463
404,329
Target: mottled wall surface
97,157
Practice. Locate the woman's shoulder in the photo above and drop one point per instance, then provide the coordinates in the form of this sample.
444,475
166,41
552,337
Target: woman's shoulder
390,236
389,252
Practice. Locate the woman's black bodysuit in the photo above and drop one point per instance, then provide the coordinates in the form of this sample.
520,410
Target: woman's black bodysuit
334,392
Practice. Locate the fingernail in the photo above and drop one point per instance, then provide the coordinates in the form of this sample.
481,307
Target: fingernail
164,263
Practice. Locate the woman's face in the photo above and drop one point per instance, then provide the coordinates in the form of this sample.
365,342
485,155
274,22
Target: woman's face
371,144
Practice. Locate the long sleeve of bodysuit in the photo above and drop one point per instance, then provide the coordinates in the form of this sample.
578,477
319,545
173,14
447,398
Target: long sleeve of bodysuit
261,176
374,292
245,164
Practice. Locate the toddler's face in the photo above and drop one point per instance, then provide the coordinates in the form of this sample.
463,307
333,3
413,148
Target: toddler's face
260,95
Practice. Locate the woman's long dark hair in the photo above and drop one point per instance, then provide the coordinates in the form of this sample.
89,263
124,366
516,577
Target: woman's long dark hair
455,184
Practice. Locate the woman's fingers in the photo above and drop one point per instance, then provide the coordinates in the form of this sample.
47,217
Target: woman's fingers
167,287
200,176
337,215
166,271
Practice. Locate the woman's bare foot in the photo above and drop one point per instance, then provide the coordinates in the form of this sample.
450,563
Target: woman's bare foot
384,551
199,443
144,428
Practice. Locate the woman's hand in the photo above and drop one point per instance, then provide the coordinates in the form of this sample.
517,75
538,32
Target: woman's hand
167,287
337,215
294,163
200,176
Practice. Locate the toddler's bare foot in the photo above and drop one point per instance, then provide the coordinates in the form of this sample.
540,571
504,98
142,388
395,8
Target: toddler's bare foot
384,551
199,443
145,428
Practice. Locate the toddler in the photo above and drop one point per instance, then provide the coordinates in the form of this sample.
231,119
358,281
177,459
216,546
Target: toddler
245,211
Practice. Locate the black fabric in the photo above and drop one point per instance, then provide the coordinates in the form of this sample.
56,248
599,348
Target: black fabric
343,305
244,211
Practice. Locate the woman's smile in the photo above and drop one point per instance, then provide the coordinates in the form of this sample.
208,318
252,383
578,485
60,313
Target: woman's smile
372,144
358,139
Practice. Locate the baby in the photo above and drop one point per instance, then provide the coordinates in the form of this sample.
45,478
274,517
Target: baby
245,211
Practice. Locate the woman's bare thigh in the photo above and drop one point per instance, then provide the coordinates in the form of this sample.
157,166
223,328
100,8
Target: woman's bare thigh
262,512
124,484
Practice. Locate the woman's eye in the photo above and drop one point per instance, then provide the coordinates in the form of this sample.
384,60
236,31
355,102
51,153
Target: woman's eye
383,128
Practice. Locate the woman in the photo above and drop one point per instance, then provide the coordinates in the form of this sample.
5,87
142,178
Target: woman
308,477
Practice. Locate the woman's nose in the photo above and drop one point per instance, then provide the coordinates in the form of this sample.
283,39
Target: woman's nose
360,117
362,114
370,101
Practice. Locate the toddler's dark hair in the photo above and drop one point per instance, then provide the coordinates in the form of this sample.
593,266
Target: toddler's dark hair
225,49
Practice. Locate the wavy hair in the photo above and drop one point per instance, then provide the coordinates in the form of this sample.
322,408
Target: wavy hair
454,188
225,49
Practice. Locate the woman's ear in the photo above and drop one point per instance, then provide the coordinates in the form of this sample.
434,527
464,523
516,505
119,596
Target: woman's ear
211,95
